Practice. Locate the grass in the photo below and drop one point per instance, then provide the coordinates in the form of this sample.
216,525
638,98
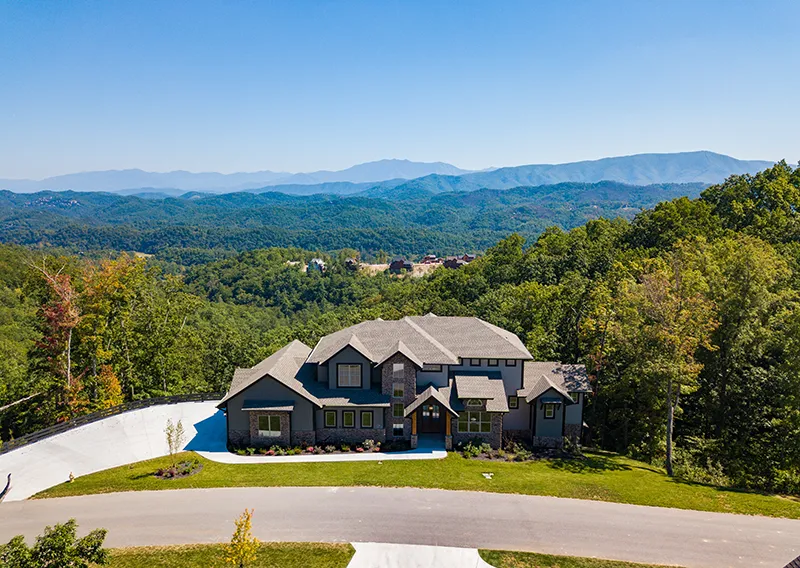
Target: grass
315,555
272,555
601,477
508,559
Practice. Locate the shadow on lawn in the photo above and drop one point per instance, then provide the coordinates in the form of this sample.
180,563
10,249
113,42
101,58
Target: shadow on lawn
591,463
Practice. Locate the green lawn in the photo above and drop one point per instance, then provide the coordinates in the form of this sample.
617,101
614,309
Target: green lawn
313,555
270,555
507,559
601,476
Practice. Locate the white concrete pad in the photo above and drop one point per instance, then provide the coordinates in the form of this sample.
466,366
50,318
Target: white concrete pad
418,454
378,555
117,440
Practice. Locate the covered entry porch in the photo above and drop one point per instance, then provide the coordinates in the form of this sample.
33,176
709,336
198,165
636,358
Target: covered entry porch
431,418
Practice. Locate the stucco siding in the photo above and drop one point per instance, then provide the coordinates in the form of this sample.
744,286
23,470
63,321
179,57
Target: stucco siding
548,427
348,355
269,389
437,378
573,412
518,418
512,376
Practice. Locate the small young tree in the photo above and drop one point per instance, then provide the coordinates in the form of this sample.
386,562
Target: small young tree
243,546
58,547
175,438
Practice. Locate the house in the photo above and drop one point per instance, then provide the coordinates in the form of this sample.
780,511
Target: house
430,259
467,257
399,264
456,378
351,264
316,265
454,262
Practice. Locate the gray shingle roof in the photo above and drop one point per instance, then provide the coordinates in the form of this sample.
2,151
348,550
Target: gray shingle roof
431,392
283,366
543,385
433,340
483,387
570,378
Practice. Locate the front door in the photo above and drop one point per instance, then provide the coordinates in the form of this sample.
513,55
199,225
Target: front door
430,419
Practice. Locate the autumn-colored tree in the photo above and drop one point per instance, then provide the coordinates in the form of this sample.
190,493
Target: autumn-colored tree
243,547
109,390
61,314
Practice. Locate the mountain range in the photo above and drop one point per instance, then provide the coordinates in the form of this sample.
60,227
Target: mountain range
386,178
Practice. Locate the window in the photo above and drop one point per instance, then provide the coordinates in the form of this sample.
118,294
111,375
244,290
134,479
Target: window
397,370
366,419
432,368
493,362
511,362
549,411
397,429
398,390
475,362
474,422
398,410
330,419
349,418
576,396
348,375
474,403
269,426
513,402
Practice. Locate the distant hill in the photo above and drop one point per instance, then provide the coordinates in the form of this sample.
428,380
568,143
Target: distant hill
413,221
386,177
138,181
640,169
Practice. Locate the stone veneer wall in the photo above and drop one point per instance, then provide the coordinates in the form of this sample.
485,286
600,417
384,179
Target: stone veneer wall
493,438
547,442
573,432
239,437
517,435
304,438
258,441
409,381
349,435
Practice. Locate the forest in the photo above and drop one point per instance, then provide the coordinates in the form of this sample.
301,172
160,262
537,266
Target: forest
410,221
686,316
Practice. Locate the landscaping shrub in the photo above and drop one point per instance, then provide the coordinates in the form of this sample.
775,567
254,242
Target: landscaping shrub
330,449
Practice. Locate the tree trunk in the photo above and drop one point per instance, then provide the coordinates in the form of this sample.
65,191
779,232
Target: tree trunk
69,358
670,420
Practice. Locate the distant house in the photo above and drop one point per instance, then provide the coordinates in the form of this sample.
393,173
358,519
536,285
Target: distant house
316,265
454,262
351,264
430,259
467,257
399,264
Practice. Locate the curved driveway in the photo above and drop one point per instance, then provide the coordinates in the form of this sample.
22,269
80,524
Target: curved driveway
423,516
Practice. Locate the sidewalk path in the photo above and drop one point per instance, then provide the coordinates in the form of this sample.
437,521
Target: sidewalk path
378,555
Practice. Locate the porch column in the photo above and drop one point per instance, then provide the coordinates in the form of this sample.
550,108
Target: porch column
414,430
448,435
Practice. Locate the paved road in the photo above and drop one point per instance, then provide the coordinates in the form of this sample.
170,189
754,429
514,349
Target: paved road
423,516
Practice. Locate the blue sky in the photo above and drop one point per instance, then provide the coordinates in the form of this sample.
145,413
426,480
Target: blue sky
299,86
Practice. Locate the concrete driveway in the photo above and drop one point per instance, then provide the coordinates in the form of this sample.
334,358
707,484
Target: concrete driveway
423,516
118,440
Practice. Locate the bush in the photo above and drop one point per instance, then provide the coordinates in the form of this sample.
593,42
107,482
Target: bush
330,449
345,448
470,450
57,546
